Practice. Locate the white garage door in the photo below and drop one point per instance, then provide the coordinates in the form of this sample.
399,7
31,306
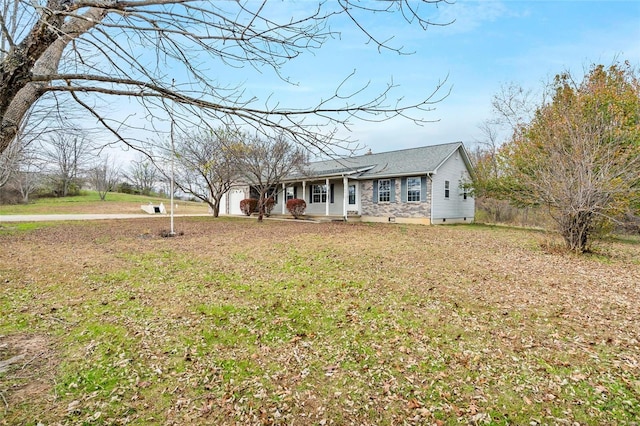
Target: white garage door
223,204
235,196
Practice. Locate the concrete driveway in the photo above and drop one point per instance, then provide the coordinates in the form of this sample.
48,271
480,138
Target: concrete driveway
63,217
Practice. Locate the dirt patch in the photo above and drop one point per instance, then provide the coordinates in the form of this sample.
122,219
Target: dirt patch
27,364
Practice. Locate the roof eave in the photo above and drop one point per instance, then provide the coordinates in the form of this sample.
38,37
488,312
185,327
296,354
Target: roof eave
329,175
395,175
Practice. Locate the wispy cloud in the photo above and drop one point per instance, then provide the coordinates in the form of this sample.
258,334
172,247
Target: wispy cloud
468,15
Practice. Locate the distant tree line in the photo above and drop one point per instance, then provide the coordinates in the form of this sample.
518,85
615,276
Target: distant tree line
203,165
63,163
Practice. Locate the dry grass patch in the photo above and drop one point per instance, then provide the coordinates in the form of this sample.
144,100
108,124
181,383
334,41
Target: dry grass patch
237,322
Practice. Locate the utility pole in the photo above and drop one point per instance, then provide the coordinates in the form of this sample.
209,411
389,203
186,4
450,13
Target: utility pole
173,154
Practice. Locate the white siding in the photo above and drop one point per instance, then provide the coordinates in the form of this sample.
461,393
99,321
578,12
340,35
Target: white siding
316,209
455,208
335,208
224,205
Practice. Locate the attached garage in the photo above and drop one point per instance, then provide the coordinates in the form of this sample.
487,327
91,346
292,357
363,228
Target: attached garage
235,196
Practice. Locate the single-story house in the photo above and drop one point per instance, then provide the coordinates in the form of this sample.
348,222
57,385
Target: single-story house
416,185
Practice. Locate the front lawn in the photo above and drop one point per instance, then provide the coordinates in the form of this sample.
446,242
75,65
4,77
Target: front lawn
240,322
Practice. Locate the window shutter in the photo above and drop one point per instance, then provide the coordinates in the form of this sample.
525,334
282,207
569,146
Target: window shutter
403,190
310,194
392,196
331,195
375,191
423,189
295,192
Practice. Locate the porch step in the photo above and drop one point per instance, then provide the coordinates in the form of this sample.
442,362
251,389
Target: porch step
320,218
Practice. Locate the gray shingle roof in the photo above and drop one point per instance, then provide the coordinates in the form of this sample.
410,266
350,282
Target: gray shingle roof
403,162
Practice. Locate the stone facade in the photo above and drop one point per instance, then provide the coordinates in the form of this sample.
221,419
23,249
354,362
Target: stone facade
440,169
395,209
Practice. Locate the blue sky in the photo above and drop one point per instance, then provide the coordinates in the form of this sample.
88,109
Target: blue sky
491,43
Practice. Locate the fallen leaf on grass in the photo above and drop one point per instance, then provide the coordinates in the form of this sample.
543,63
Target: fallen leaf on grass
414,403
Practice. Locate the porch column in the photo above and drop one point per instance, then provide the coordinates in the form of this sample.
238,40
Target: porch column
345,196
304,191
284,197
326,204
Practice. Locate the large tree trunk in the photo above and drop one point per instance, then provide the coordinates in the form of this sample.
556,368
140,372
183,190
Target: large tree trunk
261,204
23,72
17,67
215,207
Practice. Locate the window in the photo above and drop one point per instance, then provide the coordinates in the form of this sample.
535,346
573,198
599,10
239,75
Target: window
290,193
319,194
446,189
273,193
254,193
465,192
384,190
352,194
413,189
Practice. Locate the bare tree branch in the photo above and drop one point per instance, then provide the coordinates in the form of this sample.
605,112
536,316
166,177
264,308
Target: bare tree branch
134,49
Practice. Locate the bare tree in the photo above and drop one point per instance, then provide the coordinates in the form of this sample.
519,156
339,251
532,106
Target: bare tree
205,165
512,107
263,163
97,51
143,175
28,178
67,155
21,149
21,165
486,153
579,155
486,168
104,176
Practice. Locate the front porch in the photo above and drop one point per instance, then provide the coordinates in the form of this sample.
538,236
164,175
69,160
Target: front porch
329,198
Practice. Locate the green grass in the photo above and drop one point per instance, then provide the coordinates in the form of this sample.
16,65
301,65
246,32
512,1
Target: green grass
89,202
16,227
310,323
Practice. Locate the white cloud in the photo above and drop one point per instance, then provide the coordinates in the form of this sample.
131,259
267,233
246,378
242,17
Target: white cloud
469,15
